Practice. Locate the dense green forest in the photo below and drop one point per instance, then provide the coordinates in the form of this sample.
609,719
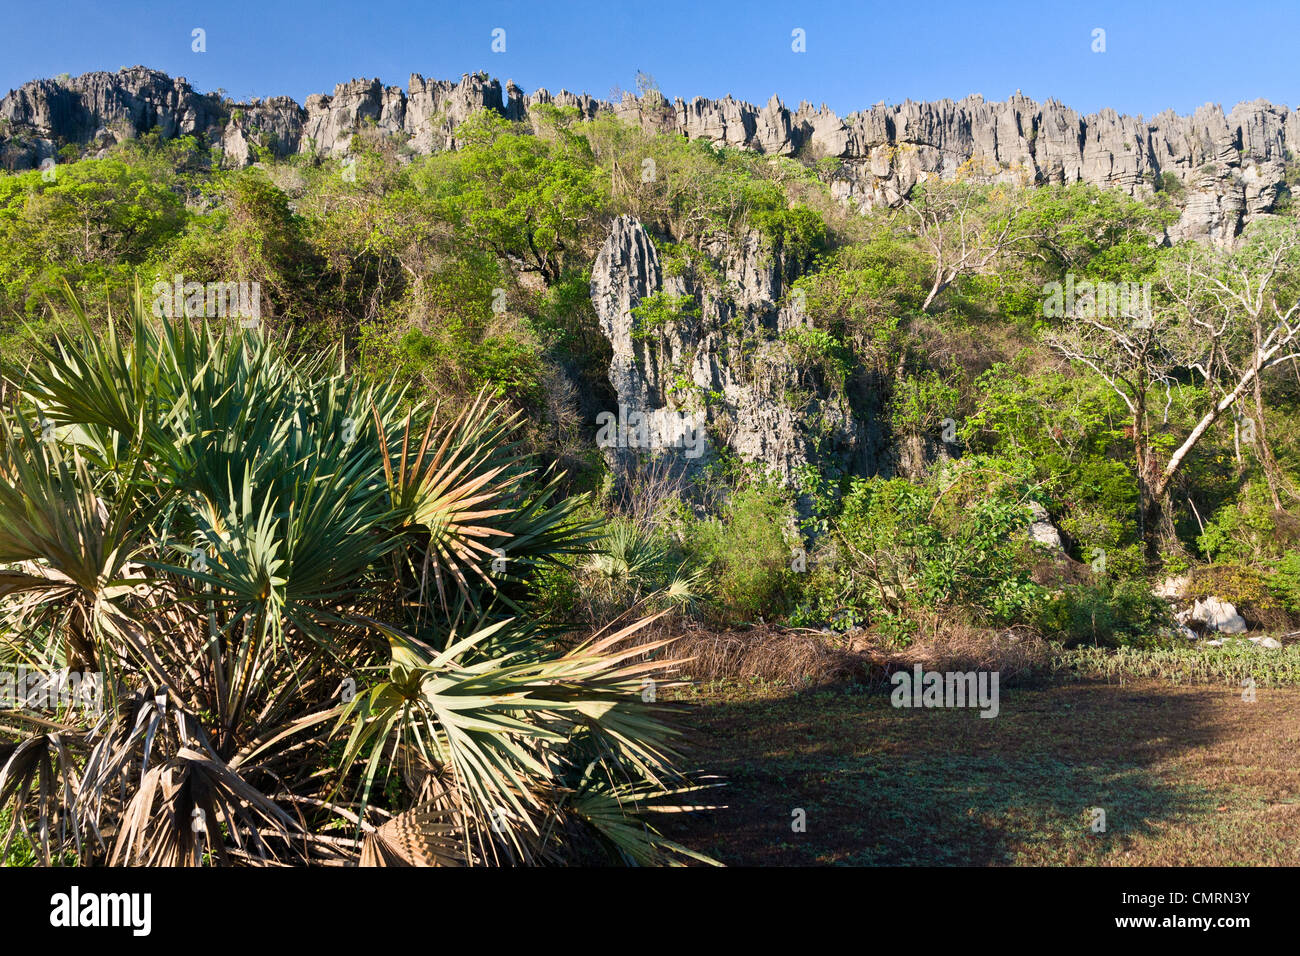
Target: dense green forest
467,270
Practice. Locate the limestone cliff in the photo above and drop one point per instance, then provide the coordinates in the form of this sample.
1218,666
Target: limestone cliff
725,363
1231,165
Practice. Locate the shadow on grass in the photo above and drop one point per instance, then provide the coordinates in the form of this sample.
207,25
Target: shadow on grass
912,787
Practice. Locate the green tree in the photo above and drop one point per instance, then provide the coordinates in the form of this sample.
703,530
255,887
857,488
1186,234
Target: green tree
89,225
252,234
527,199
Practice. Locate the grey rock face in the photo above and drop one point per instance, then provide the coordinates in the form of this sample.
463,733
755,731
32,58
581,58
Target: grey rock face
626,271
436,107
274,123
727,369
98,108
1041,530
1173,587
1216,615
1231,166
332,121
43,114
137,98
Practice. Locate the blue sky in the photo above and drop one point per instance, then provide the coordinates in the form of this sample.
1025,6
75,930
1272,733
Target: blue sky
1158,54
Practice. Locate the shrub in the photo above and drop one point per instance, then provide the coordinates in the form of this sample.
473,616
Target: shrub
448,342
799,233
633,566
1170,184
812,348
1106,613
748,554
898,546
1284,581
661,310
1247,529
1259,596
920,403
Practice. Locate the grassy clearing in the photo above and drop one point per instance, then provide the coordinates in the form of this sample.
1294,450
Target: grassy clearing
1187,776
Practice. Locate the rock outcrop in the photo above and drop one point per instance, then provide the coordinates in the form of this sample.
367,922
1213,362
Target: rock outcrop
722,366
39,117
98,109
1041,530
1213,614
1227,169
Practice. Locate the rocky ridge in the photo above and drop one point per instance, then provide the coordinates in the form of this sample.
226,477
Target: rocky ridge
724,366
1230,165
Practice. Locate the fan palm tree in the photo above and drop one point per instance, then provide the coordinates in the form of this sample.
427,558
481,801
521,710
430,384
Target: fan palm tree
302,604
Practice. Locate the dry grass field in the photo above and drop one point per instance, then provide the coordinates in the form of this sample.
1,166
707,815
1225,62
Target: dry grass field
1186,775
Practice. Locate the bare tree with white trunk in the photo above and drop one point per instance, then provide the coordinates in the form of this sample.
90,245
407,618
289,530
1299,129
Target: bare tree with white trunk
967,226
1223,318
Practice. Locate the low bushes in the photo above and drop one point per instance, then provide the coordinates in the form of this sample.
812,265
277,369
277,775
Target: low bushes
898,547
1105,613
1233,663
1267,599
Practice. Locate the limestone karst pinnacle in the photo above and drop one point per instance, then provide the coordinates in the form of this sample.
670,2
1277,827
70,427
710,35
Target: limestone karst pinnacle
1231,164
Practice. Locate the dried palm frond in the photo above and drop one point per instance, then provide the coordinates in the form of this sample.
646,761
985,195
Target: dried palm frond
421,836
